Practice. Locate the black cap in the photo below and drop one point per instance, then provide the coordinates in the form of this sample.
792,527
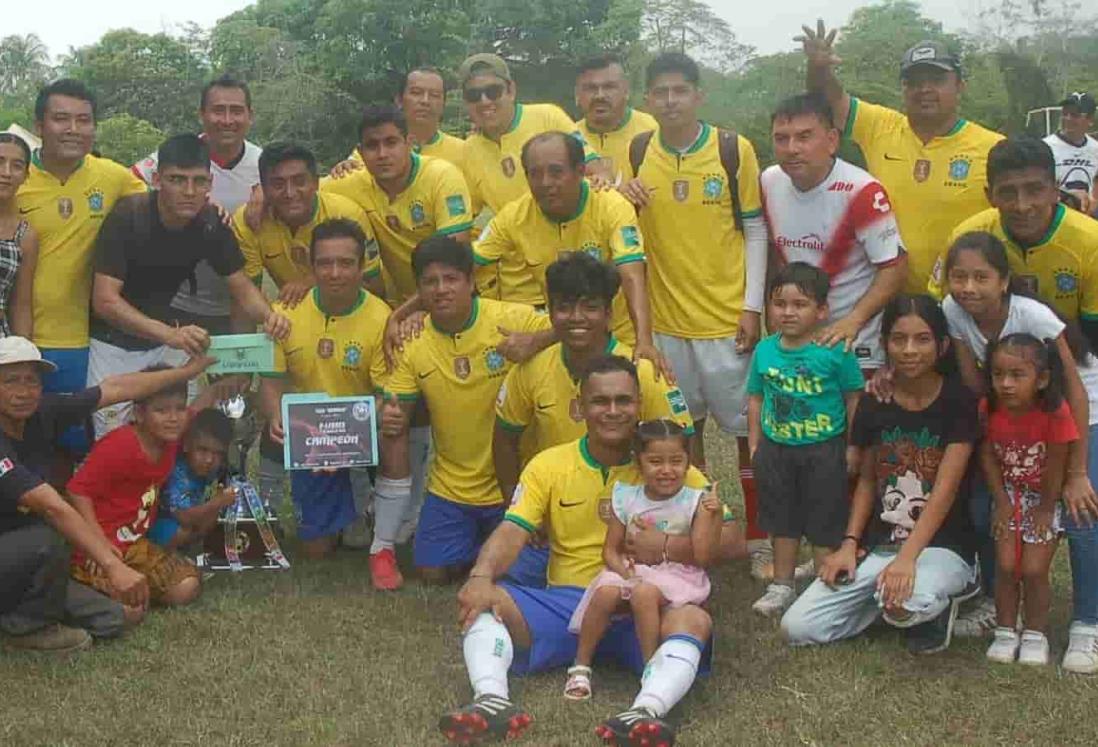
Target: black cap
1084,102
931,53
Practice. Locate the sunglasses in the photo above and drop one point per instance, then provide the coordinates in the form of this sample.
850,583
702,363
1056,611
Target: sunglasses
493,92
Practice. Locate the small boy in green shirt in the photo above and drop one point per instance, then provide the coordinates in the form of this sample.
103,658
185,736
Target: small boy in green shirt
801,399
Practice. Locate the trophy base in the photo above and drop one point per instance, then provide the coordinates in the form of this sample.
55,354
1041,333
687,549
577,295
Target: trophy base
249,546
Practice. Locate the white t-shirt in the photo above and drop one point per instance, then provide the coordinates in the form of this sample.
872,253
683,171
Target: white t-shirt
1076,165
232,186
846,227
1024,315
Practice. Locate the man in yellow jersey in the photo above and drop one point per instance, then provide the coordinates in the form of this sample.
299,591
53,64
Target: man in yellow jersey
609,124
493,154
563,214
422,98
456,366
706,273
931,161
335,347
288,175
510,628
65,198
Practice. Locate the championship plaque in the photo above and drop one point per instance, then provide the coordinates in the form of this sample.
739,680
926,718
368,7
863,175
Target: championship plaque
241,354
329,432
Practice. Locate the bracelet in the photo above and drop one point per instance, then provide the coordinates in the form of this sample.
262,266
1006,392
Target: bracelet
1076,471
857,540
666,539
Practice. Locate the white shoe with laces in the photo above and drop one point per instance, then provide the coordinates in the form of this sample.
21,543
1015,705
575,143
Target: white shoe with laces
976,621
805,571
1081,656
761,556
1034,648
1004,648
777,599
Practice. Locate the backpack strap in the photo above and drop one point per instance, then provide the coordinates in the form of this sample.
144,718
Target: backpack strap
729,148
638,146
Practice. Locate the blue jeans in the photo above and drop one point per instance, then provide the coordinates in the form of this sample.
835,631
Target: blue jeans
1083,551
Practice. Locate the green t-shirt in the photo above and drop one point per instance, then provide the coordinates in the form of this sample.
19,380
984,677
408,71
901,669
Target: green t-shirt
803,390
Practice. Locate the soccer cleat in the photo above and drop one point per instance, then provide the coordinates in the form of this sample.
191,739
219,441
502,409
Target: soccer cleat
384,572
1081,656
1004,648
977,620
777,599
1034,648
487,717
53,639
805,571
637,727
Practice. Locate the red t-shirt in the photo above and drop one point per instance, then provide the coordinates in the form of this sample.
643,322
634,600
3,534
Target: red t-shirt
1020,441
123,485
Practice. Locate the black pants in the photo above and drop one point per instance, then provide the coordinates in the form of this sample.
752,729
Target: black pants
36,590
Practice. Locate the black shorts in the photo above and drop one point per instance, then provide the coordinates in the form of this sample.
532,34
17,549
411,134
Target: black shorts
803,490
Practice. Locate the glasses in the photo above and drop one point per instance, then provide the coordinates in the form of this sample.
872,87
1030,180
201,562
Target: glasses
493,92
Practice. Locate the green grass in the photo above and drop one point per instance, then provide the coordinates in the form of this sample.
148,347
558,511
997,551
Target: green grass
314,657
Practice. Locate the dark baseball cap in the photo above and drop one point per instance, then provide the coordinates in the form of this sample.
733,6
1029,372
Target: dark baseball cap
1084,102
484,62
932,53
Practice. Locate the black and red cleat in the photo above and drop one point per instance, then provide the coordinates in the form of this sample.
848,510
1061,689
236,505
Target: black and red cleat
636,727
489,717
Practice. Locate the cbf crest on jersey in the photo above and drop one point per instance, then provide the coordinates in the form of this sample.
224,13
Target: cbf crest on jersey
419,215
352,355
1066,282
712,187
959,167
95,201
494,360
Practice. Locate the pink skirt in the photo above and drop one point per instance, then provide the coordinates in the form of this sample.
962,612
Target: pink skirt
680,584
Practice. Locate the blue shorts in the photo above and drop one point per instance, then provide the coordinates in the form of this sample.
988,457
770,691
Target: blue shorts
547,613
71,376
324,503
530,567
162,531
451,533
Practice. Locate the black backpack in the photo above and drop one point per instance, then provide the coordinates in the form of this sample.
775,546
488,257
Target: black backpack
729,149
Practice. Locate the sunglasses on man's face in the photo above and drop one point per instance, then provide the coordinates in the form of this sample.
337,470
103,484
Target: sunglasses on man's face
493,92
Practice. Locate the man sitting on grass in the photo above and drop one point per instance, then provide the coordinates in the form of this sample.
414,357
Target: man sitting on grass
117,488
193,498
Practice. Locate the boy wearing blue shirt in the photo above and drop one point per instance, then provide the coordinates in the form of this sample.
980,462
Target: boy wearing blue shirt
801,399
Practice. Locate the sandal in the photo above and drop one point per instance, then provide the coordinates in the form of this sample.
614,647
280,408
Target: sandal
578,686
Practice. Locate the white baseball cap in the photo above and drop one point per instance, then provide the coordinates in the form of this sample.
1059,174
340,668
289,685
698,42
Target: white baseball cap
21,350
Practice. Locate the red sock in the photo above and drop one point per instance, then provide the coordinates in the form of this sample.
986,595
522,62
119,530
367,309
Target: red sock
750,496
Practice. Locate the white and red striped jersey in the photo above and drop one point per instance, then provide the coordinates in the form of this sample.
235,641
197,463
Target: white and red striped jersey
846,227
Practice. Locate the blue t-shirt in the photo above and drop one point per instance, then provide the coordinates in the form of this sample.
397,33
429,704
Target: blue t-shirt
803,390
184,489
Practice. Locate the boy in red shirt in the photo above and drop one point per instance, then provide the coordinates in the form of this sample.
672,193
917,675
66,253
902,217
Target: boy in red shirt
117,490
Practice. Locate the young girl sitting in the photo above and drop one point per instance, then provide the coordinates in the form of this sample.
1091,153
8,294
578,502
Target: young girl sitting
1024,458
660,447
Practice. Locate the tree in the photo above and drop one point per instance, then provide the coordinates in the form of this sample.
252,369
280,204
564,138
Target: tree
152,77
691,27
24,65
127,139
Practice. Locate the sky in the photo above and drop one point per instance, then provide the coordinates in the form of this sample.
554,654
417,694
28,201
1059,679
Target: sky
73,23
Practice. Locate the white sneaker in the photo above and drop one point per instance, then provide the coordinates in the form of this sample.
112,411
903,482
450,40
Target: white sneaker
1081,656
1004,649
775,601
761,556
1034,648
805,571
976,621
357,535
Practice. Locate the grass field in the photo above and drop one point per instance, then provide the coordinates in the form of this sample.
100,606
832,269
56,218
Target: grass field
314,657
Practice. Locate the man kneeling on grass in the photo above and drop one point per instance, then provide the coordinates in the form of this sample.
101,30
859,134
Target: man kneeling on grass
520,629
116,490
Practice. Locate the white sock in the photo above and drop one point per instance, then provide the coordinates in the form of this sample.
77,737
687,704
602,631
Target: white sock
669,674
488,653
390,501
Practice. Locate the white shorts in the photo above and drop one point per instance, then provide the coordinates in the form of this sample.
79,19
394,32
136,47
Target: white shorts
712,377
106,360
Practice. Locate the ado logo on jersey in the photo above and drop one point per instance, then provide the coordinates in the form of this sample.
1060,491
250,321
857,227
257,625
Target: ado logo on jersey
880,202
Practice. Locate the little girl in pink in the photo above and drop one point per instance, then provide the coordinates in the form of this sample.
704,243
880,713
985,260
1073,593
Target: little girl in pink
664,502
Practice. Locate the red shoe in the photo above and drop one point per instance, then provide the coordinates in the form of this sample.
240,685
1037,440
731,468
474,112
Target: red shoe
384,572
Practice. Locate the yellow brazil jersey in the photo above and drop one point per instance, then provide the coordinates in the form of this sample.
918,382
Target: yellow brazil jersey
495,176
284,252
541,395
932,186
604,226
435,201
460,375
613,146
442,145
337,354
67,216
696,257
566,490
1061,269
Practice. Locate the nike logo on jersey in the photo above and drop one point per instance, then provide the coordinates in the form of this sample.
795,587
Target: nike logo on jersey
893,158
24,211
570,505
423,376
